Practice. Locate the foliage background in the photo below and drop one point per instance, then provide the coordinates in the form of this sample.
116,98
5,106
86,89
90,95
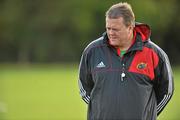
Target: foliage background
48,31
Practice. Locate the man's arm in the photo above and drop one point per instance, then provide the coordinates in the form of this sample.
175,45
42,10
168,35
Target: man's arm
164,86
85,78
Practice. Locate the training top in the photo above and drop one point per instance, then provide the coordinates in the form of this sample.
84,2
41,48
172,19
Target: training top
136,86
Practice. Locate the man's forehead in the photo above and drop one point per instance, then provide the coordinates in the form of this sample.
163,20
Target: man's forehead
114,19
119,17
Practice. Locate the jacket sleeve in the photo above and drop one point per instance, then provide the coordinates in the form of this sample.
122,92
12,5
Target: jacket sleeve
164,86
85,78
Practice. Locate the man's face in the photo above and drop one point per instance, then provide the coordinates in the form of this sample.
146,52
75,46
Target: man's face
117,32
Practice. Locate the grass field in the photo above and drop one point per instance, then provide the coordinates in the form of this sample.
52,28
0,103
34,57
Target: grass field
50,92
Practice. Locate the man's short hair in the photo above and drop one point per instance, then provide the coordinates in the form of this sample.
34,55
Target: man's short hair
123,10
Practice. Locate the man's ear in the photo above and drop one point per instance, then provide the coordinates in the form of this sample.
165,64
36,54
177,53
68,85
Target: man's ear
130,28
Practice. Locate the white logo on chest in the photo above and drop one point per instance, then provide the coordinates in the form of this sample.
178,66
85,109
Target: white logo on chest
100,65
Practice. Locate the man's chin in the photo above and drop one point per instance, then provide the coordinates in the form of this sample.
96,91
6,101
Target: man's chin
114,44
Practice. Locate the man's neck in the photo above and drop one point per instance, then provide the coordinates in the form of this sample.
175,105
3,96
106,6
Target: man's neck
128,43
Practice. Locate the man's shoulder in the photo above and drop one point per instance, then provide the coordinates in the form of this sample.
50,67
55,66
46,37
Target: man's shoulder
152,45
100,42
157,49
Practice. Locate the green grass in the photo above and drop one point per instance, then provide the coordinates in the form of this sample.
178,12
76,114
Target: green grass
50,92
40,93
171,112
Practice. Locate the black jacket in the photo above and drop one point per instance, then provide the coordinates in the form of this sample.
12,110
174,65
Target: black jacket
135,87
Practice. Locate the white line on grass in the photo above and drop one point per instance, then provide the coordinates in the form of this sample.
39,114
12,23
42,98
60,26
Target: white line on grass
3,107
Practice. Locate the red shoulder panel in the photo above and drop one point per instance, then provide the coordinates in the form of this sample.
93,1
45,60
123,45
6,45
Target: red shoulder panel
145,62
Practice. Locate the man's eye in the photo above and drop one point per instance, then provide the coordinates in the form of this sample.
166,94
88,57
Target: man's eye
111,29
108,28
115,30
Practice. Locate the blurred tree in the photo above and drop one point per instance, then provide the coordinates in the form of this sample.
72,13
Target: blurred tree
58,30
172,36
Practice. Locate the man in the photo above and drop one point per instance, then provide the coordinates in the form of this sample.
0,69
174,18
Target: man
123,75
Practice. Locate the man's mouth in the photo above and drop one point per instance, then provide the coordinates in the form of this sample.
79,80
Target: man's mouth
112,38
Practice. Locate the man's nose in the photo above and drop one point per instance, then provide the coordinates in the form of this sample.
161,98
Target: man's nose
111,31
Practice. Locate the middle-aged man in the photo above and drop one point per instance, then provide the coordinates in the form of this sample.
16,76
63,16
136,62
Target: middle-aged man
123,75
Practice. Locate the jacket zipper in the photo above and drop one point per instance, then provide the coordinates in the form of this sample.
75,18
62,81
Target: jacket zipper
123,69
123,72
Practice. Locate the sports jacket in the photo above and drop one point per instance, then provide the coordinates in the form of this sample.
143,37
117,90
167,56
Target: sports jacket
136,86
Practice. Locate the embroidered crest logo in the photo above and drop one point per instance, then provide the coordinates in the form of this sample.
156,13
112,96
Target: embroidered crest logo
141,66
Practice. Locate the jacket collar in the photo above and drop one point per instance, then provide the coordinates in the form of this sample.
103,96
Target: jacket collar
143,33
137,45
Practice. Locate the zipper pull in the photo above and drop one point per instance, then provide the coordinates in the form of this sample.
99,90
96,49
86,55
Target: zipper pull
122,76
